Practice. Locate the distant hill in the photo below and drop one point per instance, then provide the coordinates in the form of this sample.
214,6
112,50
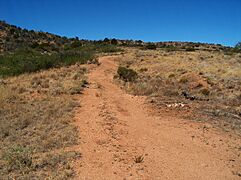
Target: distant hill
25,51
13,37
174,45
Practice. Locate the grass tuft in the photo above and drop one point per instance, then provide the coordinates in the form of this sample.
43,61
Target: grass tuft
126,74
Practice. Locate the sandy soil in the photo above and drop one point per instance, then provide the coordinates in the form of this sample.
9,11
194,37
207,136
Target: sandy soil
116,128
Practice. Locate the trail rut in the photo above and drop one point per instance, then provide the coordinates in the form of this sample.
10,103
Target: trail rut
118,129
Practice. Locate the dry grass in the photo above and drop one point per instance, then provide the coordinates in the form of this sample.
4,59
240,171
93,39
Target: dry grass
36,123
212,79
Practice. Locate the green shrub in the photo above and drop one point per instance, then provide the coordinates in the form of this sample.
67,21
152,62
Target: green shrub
27,61
32,59
170,48
114,41
151,46
127,74
232,51
76,44
107,48
190,49
106,40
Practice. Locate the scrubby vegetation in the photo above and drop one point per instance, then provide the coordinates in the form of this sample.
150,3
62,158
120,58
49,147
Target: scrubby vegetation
36,105
26,51
40,76
13,38
151,46
238,45
208,82
36,123
28,60
126,74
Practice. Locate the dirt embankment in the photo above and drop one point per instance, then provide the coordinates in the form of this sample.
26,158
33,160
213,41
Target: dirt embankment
122,137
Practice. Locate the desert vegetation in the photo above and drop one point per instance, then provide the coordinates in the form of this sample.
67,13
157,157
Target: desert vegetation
207,82
126,74
42,78
28,60
36,124
41,75
24,51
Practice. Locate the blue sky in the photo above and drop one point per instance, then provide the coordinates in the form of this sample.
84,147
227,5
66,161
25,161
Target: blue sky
212,21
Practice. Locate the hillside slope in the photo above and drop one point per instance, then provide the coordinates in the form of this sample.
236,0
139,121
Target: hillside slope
117,109
13,37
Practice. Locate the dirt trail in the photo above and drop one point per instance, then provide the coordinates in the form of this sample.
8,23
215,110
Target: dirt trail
116,127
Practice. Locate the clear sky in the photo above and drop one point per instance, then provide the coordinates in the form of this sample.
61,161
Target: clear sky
213,21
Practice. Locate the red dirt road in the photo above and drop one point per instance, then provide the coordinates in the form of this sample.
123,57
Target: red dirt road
116,128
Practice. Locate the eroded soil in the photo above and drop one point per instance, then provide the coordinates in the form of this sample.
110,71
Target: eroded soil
123,137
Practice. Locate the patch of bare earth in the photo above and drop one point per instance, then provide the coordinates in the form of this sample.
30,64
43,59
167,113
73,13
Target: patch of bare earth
123,137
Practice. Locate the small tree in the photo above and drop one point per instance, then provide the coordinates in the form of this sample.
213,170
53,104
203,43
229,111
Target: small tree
238,45
114,41
106,40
